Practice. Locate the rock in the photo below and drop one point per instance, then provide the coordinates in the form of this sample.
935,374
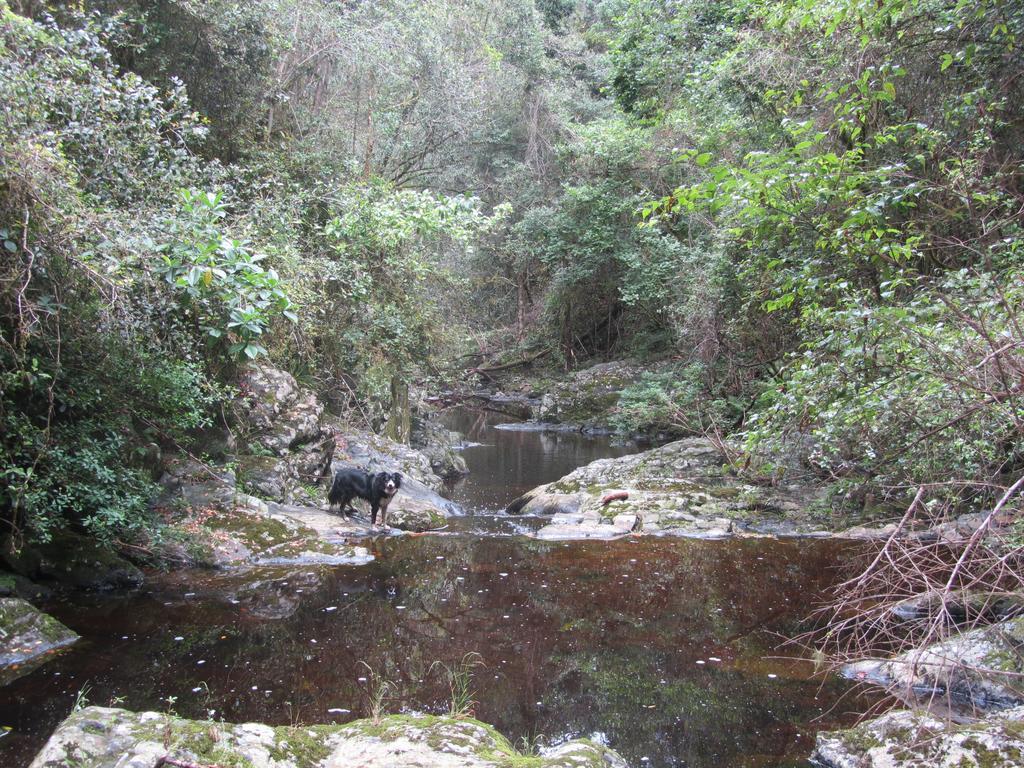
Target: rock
905,739
375,453
439,444
98,737
590,525
28,637
588,398
278,534
286,450
73,560
265,476
415,516
978,670
275,510
962,608
265,393
294,426
867,533
680,488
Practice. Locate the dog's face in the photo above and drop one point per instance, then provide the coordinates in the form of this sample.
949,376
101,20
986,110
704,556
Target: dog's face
390,482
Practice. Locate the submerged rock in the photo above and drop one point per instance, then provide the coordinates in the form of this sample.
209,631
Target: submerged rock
905,739
979,670
28,637
410,515
98,737
680,488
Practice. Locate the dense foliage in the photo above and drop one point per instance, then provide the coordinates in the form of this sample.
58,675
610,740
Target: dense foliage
808,213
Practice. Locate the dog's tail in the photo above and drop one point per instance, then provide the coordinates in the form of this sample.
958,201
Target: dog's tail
334,495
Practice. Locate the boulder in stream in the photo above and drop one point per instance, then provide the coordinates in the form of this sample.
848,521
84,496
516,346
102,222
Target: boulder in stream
680,488
98,737
908,739
979,670
72,560
28,637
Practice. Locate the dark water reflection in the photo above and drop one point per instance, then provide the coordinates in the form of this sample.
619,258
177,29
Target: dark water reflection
657,644
507,463
662,647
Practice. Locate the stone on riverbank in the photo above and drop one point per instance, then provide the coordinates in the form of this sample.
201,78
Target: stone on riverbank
28,637
680,488
439,444
979,670
271,507
905,739
98,737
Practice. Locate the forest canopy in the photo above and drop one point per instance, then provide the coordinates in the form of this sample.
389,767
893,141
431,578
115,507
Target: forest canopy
805,217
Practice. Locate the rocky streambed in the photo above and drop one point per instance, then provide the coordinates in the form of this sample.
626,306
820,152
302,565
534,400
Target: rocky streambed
647,644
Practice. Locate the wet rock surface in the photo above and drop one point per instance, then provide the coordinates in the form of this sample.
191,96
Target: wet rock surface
972,706
680,488
28,637
906,739
98,737
982,669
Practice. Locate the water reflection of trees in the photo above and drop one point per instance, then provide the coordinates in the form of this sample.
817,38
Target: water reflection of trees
576,638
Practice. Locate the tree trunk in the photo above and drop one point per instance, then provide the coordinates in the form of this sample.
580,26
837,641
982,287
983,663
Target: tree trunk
521,300
399,425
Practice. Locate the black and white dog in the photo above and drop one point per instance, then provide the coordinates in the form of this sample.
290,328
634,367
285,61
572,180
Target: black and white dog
377,488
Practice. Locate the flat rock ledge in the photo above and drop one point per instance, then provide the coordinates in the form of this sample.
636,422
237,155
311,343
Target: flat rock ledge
28,637
907,739
99,737
680,488
980,670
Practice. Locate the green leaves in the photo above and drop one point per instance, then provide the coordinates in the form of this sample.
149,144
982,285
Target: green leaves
220,279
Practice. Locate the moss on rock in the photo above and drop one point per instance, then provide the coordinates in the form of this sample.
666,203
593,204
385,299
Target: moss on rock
98,737
28,637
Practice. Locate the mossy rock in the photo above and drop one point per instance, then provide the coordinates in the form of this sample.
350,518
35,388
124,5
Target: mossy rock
98,737
906,739
28,637
682,488
72,559
978,670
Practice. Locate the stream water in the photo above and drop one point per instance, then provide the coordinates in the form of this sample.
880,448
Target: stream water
664,648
